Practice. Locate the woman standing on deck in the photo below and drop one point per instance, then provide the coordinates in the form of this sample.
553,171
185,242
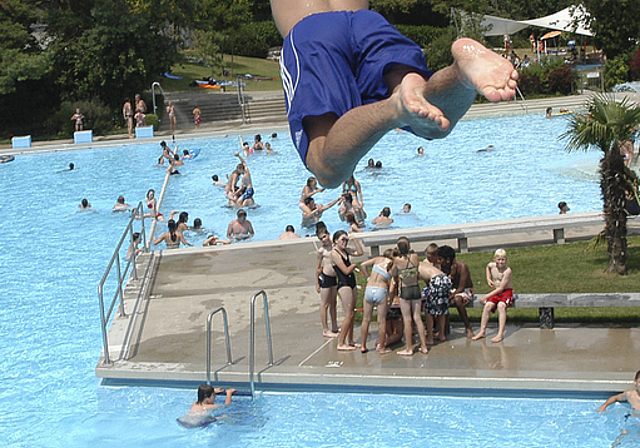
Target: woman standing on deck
376,295
405,270
346,284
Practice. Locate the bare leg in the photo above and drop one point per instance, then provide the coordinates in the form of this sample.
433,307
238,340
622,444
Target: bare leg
431,108
346,295
430,324
417,318
441,318
405,307
326,295
333,309
502,322
366,321
462,310
486,314
382,328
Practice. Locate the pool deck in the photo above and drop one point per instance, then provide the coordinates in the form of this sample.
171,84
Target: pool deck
163,338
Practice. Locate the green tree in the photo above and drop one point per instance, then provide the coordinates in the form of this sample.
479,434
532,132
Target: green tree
615,24
208,47
22,57
607,125
113,50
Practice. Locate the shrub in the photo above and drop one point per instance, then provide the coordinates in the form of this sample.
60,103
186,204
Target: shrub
530,84
438,51
97,117
634,66
152,120
616,71
560,80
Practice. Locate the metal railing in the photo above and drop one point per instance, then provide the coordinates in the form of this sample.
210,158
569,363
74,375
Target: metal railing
153,95
252,337
154,222
114,263
226,336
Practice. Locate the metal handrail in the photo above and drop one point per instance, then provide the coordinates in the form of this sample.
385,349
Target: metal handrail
226,336
241,100
153,95
105,316
524,102
252,337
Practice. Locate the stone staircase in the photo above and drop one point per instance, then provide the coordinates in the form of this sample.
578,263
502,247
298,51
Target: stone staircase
218,107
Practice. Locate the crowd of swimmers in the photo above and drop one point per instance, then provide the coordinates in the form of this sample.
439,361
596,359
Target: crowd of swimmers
393,287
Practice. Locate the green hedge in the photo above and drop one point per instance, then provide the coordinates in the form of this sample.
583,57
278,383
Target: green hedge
255,38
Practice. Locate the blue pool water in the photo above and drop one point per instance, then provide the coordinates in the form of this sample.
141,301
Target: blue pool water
53,258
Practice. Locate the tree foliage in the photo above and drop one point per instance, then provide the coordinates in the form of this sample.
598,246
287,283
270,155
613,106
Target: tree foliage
20,53
615,24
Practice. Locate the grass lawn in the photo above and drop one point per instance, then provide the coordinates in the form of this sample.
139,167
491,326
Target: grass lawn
567,268
241,66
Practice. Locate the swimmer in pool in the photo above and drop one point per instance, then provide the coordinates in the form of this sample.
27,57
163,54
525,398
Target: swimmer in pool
84,204
200,412
120,205
632,396
406,208
150,199
289,234
213,240
241,228
217,182
172,237
383,221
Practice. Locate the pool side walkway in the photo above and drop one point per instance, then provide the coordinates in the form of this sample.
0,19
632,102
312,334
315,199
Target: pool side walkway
223,128
163,338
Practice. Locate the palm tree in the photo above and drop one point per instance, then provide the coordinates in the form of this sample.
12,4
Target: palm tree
607,125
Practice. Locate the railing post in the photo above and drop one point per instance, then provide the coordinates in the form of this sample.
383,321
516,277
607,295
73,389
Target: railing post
226,336
252,339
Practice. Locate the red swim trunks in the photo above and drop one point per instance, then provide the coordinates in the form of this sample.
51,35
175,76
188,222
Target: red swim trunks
505,296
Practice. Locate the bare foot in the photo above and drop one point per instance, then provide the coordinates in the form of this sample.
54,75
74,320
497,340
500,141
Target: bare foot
497,339
470,333
335,330
441,337
364,349
487,72
414,110
383,351
329,334
355,344
430,342
480,335
405,353
345,348
424,351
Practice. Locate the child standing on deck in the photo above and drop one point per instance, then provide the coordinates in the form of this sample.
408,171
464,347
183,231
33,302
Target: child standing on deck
499,277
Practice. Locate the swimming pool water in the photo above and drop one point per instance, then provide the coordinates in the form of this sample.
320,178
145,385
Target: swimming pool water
53,258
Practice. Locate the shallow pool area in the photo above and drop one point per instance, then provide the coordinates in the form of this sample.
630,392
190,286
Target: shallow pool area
54,257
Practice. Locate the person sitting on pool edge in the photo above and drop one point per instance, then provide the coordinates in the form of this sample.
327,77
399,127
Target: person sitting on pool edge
200,412
338,109
632,396
500,278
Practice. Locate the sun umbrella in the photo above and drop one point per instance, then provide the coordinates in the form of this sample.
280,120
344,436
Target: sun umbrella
551,34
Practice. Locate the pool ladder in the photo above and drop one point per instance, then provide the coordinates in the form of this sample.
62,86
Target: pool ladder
252,343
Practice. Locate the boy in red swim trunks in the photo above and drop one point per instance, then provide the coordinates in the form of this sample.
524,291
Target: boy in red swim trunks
499,278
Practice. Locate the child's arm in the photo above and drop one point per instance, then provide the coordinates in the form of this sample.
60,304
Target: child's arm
229,393
506,280
611,400
488,274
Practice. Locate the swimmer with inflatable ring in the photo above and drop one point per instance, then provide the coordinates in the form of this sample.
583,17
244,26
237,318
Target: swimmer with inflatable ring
7,159
199,414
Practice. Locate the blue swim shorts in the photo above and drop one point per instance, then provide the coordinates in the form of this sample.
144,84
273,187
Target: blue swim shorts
336,61
374,294
248,194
